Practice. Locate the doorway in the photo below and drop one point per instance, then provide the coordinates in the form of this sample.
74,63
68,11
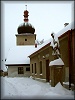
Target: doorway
47,71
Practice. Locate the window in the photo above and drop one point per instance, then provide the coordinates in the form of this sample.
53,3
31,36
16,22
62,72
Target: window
25,39
28,69
20,70
35,68
40,67
32,68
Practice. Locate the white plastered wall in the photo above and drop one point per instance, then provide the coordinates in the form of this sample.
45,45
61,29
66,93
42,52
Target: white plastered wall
13,71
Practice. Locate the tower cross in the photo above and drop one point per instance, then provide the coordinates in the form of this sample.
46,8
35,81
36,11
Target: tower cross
26,7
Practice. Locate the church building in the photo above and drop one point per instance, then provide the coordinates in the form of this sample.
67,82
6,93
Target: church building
18,61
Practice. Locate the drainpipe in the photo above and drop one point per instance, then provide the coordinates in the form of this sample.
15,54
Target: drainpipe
69,53
35,44
74,59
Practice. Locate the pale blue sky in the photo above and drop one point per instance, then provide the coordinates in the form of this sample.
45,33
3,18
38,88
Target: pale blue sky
45,16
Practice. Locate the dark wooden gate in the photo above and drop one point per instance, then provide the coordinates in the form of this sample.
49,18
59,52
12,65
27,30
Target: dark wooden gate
58,71
47,71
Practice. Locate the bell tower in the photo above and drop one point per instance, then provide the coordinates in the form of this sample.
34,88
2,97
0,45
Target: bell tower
25,31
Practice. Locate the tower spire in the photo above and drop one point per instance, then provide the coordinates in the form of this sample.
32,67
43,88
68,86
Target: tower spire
26,15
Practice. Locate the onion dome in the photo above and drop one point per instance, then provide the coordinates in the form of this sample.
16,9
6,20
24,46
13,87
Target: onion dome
26,27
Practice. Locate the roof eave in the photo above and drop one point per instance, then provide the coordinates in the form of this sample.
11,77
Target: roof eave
39,49
17,64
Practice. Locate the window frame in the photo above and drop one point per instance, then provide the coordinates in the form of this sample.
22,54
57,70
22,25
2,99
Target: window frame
20,70
35,68
27,69
40,67
32,68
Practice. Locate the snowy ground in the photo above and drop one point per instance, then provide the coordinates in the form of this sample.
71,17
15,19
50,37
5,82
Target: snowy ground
24,87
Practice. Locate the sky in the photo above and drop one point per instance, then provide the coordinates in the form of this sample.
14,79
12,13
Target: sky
45,16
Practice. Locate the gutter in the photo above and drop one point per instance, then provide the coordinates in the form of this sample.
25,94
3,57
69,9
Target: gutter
17,64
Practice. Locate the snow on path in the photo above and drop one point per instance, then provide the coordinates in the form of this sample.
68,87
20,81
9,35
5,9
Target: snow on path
23,87
10,87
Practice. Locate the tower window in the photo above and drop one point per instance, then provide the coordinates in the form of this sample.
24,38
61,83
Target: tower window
25,39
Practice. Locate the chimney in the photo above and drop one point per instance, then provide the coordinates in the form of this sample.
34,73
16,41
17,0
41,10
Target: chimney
35,44
66,24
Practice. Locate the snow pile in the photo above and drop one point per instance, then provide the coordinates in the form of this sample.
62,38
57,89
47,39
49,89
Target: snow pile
67,83
24,87
56,62
61,90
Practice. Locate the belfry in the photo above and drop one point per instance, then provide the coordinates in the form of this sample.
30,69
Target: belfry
26,32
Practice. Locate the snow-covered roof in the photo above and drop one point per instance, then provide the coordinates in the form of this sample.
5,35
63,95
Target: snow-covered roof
19,55
65,29
56,62
25,34
40,46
